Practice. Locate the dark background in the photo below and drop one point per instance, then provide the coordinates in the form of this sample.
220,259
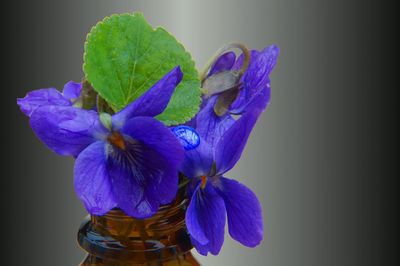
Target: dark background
322,159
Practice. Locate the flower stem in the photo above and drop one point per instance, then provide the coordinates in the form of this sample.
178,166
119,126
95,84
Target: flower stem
222,50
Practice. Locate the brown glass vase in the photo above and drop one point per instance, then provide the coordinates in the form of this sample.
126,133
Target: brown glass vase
120,240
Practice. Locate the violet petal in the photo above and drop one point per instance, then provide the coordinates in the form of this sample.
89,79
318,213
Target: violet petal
145,174
41,97
210,126
232,143
91,180
64,129
206,218
153,101
168,153
223,63
244,212
198,161
72,90
256,83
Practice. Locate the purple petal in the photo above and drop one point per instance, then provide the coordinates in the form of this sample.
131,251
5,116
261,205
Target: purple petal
152,102
210,126
257,99
129,179
244,212
157,136
238,106
256,82
91,180
238,64
261,67
205,220
223,63
145,174
193,221
168,149
64,129
202,249
42,97
198,161
72,90
232,143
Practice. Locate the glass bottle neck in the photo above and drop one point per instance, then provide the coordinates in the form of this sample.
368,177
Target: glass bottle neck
116,236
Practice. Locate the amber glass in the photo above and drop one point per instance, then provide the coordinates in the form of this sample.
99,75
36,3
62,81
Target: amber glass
120,240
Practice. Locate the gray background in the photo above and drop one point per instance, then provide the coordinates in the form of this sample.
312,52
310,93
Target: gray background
315,159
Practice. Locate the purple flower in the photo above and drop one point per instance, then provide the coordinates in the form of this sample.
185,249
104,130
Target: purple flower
213,196
255,83
128,160
254,92
50,96
222,140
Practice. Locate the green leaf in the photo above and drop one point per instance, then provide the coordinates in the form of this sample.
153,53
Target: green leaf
124,56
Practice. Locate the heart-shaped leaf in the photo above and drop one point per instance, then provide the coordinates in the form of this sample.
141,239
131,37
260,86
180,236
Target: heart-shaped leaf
124,56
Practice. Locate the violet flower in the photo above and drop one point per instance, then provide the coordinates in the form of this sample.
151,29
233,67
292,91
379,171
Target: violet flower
213,196
128,160
50,96
254,91
222,140
255,83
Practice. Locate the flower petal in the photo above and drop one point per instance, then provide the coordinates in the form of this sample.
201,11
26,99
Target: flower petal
246,92
198,161
261,67
129,180
239,62
258,99
72,90
152,102
201,248
145,174
193,220
157,136
223,63
168,152
244,212
210,126
91,180
256,84
42,97
205,220
232,143
64,129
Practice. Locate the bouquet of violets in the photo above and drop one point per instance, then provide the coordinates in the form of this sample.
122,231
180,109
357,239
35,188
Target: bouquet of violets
144,122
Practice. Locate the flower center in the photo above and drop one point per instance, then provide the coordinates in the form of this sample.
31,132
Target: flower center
203,181
116,139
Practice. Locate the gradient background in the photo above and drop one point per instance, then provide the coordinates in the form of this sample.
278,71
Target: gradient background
318,158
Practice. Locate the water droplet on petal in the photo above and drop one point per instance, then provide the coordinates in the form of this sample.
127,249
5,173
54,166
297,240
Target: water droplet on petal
187,136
